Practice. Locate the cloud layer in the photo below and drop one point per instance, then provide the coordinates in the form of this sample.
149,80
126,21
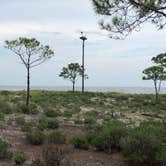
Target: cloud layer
58,23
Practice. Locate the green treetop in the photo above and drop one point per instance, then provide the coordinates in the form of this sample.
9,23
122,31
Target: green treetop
124,16
72,72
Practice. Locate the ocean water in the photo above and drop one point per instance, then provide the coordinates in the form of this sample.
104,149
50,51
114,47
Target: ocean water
132,90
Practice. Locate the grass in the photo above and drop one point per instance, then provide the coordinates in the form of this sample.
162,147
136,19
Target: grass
60,118
69,105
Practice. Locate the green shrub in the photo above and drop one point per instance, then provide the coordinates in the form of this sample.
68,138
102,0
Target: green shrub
2,117
23,109
4,151
51,113
5,107
31,109
47,123
67,114
38,162
89,121
92,113
52,123
42,124
36,137
54,155
56,137
19,159
107,137
80,142
146,144
5,93
78,121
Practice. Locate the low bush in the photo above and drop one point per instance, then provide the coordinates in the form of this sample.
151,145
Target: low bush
52,123
4,150
42,124
51,113
78,121
2,117
47,123
36,137
89,121
19,159
55,156
80,142
31,109
5,107
67,114
108,136
38,162
56,137
23,109
146,144
92,113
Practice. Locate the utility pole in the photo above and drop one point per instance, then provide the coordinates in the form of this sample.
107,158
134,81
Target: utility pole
83,38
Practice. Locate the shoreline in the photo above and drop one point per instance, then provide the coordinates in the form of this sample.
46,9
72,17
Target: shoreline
125,90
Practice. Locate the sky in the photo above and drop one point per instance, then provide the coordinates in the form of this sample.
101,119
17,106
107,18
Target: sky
58,23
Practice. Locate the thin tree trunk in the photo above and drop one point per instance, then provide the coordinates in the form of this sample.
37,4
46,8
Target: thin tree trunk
73,86
28,86
156,90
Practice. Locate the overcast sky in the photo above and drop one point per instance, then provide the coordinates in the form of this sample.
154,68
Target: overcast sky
58,23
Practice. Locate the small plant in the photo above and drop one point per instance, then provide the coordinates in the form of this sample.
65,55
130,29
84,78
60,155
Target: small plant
31,109
1,116
56,137
108,136
42,124
77,121
19,159
36,137
80,142
24,109
4,152
38,162
54,155
51,113
53,123
89,121
5,107
68,114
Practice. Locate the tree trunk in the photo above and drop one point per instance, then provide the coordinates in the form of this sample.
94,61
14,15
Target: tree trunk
73,86
28,86
156,91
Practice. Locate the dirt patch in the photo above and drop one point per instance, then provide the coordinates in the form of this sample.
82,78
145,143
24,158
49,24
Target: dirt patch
91,158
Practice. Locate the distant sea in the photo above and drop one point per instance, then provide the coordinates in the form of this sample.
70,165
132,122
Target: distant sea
132,90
